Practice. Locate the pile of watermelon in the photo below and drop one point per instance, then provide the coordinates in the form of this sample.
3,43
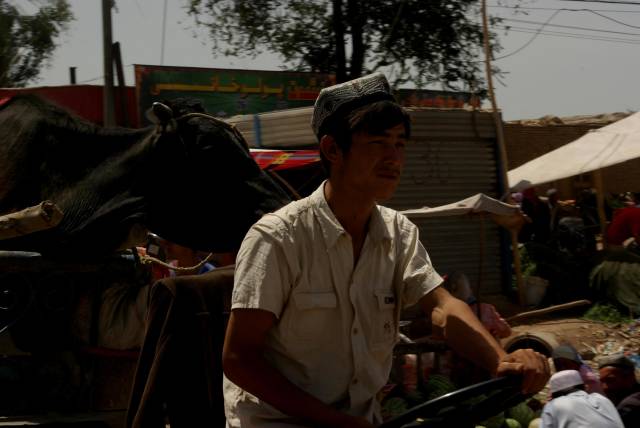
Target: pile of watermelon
399,401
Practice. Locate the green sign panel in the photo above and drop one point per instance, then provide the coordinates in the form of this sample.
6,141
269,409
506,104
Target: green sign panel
225,92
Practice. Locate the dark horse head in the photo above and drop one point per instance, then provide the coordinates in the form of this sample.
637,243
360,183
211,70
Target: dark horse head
190,178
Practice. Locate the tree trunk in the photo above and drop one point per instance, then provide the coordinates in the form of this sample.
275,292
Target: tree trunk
354,17
338,30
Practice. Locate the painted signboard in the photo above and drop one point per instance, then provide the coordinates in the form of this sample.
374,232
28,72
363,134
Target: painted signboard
227,92
436,99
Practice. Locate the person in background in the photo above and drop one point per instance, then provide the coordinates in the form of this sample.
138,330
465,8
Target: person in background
538,211
572,407
554,208
625,225
617,375
320,284
458,285
565,357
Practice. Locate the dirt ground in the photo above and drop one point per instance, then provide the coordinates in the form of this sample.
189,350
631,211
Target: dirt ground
593,340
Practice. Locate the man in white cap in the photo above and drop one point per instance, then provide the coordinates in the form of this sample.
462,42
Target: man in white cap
572,407
320,284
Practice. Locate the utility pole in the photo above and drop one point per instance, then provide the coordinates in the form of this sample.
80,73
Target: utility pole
502,151
107,51
164,32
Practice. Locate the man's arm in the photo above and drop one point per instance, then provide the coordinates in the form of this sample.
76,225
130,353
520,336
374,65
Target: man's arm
244,364
465,334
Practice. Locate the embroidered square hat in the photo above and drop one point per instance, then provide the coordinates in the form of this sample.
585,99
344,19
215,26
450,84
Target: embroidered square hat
564,380
338,100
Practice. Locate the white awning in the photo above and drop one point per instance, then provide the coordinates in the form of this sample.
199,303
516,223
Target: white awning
606,146
479,203
506,215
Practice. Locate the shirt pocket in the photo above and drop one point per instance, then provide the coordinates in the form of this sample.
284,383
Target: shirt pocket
384,323
314,314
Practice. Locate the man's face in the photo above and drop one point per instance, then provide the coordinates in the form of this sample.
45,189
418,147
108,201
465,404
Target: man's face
374,163
616,382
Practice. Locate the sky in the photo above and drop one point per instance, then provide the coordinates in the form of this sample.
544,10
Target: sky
563,68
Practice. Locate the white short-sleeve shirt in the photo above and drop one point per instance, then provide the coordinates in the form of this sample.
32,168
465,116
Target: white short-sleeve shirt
336,323
580,410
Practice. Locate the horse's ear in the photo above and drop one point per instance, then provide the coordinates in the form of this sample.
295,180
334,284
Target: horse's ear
159,114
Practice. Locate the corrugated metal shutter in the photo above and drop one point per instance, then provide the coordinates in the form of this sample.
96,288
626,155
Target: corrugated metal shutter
452,155
278,129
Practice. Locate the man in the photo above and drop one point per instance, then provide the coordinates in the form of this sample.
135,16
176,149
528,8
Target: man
457,284
617,375
565,357
572,407
320,284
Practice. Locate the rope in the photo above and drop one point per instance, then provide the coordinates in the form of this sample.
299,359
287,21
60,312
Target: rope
145,259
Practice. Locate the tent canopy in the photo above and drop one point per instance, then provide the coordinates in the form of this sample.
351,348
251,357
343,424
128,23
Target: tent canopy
506,215
606,146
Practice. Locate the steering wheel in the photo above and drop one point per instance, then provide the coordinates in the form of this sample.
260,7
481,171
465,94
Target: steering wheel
464,407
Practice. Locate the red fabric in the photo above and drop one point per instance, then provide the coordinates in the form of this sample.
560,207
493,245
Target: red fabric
83,100
625,224
492,320
280,159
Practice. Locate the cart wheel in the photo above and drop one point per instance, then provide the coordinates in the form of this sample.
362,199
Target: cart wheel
464,407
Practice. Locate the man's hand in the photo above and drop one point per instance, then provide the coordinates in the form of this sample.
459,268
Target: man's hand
531,365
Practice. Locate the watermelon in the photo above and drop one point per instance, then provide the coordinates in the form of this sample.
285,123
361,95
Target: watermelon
393,407
521,413
535,423
437,386
511,423
494,421
415,397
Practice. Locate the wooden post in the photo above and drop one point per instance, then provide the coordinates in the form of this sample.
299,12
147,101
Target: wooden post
597,179
107,94
502,149
117,57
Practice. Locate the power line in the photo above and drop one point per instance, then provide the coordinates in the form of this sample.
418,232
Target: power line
571,27
614,20
498,6
531,39
98,77
607,1
570,35
537,32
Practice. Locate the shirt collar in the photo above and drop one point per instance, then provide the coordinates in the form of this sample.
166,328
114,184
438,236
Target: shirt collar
331,227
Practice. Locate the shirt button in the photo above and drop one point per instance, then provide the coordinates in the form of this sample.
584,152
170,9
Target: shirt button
355,331
355,381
